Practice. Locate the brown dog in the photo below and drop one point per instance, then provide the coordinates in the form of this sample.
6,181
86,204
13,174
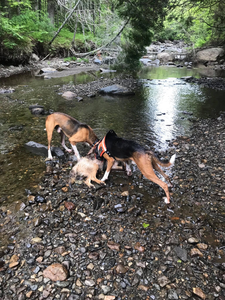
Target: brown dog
87,167
112,147
68,126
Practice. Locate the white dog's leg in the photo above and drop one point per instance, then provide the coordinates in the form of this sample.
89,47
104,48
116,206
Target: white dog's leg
76,152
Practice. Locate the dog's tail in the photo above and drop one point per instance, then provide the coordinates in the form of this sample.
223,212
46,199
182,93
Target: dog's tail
162,163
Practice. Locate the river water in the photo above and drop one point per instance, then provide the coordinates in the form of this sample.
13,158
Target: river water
162,109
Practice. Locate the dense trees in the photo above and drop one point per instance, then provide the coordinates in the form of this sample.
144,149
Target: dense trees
83,25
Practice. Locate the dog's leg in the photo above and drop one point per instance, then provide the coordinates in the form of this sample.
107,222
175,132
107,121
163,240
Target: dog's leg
88,182
63,141
128,168
93,173
110,162
158,169
49,125
116,167
75,151
145,166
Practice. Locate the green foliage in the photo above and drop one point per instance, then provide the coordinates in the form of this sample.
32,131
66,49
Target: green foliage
25,30
195,24
144,17
145,225
70,59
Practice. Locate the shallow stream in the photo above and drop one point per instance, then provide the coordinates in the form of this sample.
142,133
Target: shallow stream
161,110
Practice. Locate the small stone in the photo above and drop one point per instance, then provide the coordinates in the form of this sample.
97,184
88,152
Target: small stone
114,246
56,272
163,281
172,295
202,246
60,249
36,240
181,253
143,287
193,240
196,252
28,295
14,261
138,247
120,269
78,283
106,289
89,282
90,266
93,255
197,291
69,205
39,259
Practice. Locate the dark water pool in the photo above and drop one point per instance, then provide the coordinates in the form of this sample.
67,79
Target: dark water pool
159,111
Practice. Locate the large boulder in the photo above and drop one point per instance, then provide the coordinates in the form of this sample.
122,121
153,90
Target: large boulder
39,149
165,57
209,55
116,89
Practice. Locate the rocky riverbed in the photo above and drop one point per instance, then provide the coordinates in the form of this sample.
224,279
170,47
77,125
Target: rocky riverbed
122,241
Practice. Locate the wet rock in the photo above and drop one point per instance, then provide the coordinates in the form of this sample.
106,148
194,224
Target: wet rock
114,246
196,252
7,91
173,295
121,208
69,95
89,282
139,247
202,246
37,109
20,206
36,240
121,269
69,205
193,240
56,272
39,149
163,281
47,70
181,253
116,90
208,55
14,261
197,291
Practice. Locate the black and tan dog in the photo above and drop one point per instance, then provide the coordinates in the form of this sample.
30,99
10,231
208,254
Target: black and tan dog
68,126
112,148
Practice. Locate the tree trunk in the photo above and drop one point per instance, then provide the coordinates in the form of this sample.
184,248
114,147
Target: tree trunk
66,20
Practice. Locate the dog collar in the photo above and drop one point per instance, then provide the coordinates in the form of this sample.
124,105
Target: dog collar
95,142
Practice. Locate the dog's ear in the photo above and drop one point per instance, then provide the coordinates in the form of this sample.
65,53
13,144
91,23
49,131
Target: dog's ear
112,132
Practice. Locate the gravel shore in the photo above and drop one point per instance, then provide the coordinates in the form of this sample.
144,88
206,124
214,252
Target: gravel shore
122,241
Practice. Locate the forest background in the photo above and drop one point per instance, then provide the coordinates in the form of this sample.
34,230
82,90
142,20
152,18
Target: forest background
77,28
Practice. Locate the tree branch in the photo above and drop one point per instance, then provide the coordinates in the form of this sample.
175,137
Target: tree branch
70,14
96,50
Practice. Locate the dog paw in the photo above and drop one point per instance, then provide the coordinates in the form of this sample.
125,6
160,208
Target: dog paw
166,200
129,173
48,158
102,183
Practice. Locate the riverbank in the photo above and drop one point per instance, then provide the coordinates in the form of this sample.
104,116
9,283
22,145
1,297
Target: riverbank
121,241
